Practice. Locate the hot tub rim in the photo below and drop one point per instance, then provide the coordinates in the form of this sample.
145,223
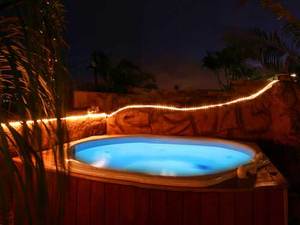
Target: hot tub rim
137,178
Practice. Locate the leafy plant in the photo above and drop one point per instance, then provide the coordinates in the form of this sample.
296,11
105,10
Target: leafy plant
269,52
279,50
32,86
230,64
101,66
118,77
272,50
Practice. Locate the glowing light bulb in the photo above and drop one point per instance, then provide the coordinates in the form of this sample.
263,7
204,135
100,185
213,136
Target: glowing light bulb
293,75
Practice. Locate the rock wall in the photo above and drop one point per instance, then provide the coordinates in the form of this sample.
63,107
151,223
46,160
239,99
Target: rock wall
77,129
108,102
82,128
273,116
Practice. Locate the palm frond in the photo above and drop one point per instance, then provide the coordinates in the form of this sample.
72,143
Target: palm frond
279,10
270,48
292,29
32,74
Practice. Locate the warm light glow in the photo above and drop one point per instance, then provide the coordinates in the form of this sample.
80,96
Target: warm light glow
293,75
160,107
242,99
72,118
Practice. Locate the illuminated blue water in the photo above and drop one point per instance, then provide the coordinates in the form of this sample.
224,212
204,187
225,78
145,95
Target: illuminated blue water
162,156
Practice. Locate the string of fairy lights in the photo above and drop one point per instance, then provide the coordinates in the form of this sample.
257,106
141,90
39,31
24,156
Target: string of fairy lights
203,107
157,107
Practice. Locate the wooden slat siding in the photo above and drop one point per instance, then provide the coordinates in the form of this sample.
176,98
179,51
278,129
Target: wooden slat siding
276,204
127,203
244,208
111,204
227,214
210,208
142,206
97,203
58,197
175,207
191,208
71,202
83,202
52,196
21,214
158,207
261,207
116,204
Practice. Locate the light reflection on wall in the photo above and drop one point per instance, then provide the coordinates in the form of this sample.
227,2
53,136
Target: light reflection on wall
158,107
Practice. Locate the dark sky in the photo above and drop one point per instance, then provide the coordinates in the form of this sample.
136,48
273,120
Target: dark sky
167,37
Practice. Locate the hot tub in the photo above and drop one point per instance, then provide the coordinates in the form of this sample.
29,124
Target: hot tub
137,180
162,161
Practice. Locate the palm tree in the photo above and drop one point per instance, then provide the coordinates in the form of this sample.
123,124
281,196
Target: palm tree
278,51
272,52
230,64
32,76
212,62
101,66
127,75
120,76
278,10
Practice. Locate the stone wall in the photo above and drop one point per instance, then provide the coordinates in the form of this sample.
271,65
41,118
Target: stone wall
273,116
108,102
82,128
77,129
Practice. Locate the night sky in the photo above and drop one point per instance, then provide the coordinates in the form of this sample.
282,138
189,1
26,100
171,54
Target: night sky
166,37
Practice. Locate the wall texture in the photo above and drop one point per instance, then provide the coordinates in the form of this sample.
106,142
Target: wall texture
108,102
273,116
77,129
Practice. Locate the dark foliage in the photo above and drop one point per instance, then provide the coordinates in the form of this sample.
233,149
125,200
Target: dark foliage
32,86
120,77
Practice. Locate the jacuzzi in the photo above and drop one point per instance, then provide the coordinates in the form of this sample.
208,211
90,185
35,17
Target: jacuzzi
143,179
162,160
